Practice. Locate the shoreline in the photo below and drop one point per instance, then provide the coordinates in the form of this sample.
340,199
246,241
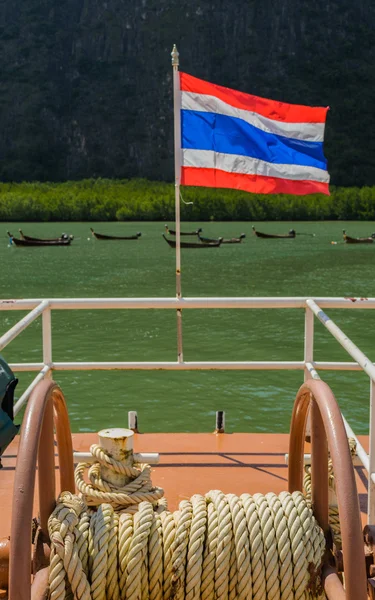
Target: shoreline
100,200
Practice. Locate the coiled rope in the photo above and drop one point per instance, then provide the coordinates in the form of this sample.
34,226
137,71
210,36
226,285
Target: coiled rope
333,511
128,497
218,546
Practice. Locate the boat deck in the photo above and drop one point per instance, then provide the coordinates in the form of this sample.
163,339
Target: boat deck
192,463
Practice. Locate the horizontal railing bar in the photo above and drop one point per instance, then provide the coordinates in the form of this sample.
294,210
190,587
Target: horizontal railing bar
23,399
247,365
14,331
337,366
187,303
176,366
361,452
151,458
343,339
19,367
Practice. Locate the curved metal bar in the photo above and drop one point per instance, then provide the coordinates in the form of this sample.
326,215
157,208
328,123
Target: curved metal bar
327,425
37,442
64,441
4,563
39,587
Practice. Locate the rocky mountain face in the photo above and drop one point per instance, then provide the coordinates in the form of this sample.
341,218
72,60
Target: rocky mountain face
86,85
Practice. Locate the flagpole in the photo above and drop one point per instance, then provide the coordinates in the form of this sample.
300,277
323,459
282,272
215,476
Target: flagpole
177,174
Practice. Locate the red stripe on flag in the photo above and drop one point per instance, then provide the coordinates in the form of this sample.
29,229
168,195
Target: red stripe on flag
257,184
272,109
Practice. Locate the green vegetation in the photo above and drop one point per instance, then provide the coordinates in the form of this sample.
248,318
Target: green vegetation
142,200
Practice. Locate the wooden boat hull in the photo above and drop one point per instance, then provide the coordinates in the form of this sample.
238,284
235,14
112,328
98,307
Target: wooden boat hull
232,241
350,240
101,236
223,241
286,236
173,232
28,238
172,244
19,242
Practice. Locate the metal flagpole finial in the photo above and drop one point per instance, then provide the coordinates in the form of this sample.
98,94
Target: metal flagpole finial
175,55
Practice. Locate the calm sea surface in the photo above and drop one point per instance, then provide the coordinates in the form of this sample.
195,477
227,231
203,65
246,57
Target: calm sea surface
187,401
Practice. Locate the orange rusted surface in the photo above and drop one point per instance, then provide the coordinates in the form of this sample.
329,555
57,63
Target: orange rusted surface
195,463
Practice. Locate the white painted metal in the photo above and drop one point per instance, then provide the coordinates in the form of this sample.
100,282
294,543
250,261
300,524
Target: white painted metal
188,303
177,179
361,452
361,457
43,306
371,470
309,340
19,367
12,333
25,396
177,160
308,357
338,366
313,374
180,348
47,339
264,365
176,366
345,342
132,420
151,458
118,443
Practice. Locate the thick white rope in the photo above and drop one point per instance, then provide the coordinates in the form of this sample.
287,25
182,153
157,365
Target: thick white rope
333,511
98,491
214,547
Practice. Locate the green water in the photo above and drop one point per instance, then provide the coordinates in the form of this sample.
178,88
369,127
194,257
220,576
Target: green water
187,401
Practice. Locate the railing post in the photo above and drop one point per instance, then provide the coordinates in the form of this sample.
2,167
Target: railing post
47,340
309,340
371,484
308,358
180,350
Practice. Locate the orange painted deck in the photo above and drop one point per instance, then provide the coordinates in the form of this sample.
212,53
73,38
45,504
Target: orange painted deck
196,463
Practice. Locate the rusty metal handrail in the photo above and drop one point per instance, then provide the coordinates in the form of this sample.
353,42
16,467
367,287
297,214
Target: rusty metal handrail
45,407
327,426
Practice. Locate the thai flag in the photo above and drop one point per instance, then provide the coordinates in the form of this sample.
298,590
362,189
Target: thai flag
234,140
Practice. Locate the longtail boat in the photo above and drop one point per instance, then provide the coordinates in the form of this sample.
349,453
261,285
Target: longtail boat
286,236
173,232
363,240
214,244
101,236
28,238
19,242
224,240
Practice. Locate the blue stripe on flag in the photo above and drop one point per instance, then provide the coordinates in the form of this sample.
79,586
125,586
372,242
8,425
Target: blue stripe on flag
230,135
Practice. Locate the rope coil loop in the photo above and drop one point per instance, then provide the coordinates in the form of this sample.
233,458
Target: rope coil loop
215,546
334,521
99,491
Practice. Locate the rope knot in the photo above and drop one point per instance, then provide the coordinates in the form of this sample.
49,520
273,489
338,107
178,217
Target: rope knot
137,487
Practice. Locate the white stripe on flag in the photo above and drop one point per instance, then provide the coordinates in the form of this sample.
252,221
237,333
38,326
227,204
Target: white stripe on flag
309,132
233,163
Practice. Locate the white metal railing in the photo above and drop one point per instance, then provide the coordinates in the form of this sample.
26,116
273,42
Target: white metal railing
312,307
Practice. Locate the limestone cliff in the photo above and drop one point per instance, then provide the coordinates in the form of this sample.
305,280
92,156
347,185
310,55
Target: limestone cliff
86,84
